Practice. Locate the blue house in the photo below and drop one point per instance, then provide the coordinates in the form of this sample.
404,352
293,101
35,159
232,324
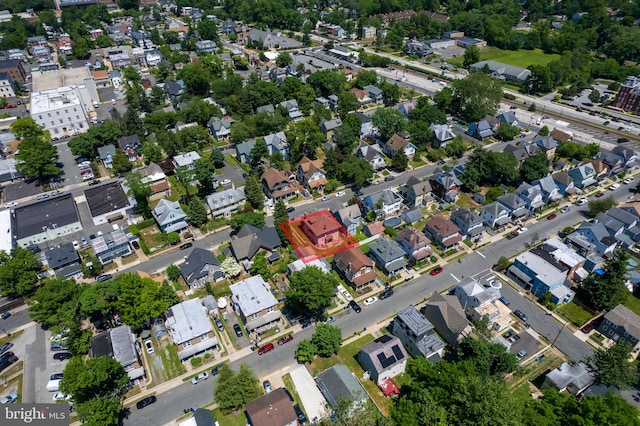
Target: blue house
584,175
375,94
243,150
541,275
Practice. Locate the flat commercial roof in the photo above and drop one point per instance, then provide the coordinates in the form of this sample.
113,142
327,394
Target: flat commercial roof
53,213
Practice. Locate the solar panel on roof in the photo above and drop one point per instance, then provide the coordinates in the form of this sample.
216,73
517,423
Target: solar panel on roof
397,352
383,339
384,361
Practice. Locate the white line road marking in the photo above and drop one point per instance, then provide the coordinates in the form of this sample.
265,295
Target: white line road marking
454,277
483,256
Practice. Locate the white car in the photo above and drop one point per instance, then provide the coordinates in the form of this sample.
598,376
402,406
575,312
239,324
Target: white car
225,181
149,347
614,186
9,399
340,194
10,204
370,301
564,209
200,377
76,245
522,230
627,181
347,295
59,396
581,201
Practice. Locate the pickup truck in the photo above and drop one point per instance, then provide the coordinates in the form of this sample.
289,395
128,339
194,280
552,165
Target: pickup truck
285,339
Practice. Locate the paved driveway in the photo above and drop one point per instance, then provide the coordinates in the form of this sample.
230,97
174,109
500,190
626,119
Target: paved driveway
312,399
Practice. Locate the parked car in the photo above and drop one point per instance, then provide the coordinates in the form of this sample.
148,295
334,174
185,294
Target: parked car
521,354
370,301
285,339
215,370
146,401
267,386
346,295
600,194
340,194
237,329
59,396
42,197
325,198
53,385
225,181
200,377
302,419
582,201
329,320
512,235
522,230
9,399
186,246
504,301
627,181
614,186
135,245
551,216
5,347
565,209
290,209
94,182
61,356
219,324
56,376
149,347
354,305
266,348
58,347
385,294
6,315
436,271
520,315
104,277
10,204
389,178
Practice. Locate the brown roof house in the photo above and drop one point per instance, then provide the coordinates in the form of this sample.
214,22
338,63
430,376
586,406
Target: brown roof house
356,268
272,409
384,358
321,230
397,143
415,244
277,185
311,174
443,231
448,318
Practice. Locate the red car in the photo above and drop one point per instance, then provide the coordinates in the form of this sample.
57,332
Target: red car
10,106
551,216
600,194
436,271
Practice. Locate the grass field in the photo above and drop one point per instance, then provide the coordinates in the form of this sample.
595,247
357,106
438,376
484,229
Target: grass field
574,313
520,58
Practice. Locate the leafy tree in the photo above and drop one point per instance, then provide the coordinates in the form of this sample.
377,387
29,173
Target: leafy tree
36,158
173,272
306,351
437,154
101,377
327,82
311,290
326,340
204,172
346,139
600,205
391,92
217,158
540,80
535,167
476,96
388,121
356,170
87,144
230,268
444,99
493,194
489,358
532,107
612,367
595,96
259,152
347,102
121,163
132,123
253,190
400,161
18,272
284,59
140,190
92,267
471,56
142,299
503,263
260,266
321,113
239,220
55,302
507,132
100,411
609,290
280,216
456,148
197,212
208,30
304,138
200,111
151,151
366,78
544,131
331,164
233,390
427,113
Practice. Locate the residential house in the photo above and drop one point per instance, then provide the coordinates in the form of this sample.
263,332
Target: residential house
321,230
621,324
249,240
564,182
613,162
445,185
220,128
479,302
190,329
384,358
356,268
557,251
469,222
152,173
412,216
442,135
572,378
531,195
277,142
277,184
272,39
548,144
106,154
443,232
495,215
592,238
328,127
388,255
630,157
517,206
508,117
367,128
376,95
187,160
323,101
600,168
416,193
339,383
205,46
108,203
174,88
583,176
522,152
130,146
107,247
541,274
273,409
560,136
224,203
350,217
417,334
397,143
480,130
502,71
269,109
243,151
415,244
292,109
310,174
417,48
170,217
253,301
64,261
613,226
362,96
372,154
548,188
384,203
448,318
200,267
118,343
406,107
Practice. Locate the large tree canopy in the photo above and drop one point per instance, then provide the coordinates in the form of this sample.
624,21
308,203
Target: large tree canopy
18,272
476,96
311,290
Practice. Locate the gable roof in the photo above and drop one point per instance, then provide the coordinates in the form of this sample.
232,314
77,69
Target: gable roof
273,409
195,262
397,142
338,383
273,176
442,226
466,216
250,239
450,311
413,238
252,295
309,166
351,258
386,250
385,352
562,178
320,224
168,211
412,216
559,135
348,214
187,320
228,197
442,132
625,317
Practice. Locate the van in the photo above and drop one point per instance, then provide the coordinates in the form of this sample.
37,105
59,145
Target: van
266,348
53,385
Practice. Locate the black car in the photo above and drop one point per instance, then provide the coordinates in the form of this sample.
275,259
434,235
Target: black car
354,305
186,246
56,376
237,329
94,182
144,402
623,140
5,347
219,324
290,209
301,417
520,315
61,356
387,293
6,315
215,370
359,193
135,245
389,178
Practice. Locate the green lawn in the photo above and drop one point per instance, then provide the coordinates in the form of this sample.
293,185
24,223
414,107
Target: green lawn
520,58
574,313
633,303
232,419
